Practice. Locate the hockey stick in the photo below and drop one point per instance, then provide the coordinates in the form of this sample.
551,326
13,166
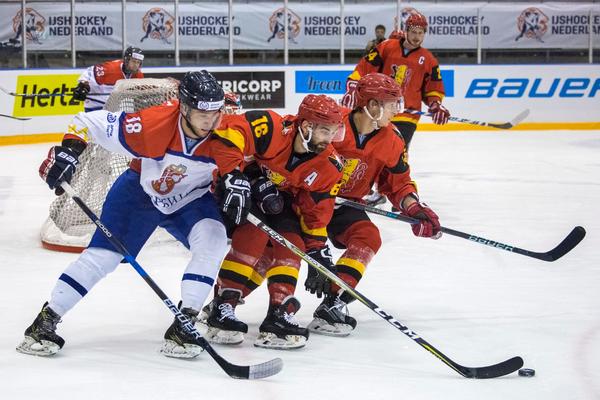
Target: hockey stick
44,95
17,118
491,371
256,371
506,125
568,243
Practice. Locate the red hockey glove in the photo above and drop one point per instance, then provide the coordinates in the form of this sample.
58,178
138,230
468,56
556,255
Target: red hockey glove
429,223
349,98
439,113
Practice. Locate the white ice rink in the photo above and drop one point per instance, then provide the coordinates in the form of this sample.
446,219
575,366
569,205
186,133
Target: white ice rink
476,304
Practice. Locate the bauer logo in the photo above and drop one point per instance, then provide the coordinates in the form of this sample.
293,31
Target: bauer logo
532,24
334,82
257,89
533,88
158,24
51,95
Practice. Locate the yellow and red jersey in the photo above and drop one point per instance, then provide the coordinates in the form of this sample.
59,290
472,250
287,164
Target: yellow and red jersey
416,71
379,157
267,138
102,79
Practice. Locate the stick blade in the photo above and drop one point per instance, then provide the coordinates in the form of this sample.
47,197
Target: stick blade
568,244
257,371
493,371
514,122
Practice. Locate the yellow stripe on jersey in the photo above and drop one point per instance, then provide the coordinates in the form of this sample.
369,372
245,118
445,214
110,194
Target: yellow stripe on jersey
354,75
313,232
354,264
238,268
436,94
234,136
283,270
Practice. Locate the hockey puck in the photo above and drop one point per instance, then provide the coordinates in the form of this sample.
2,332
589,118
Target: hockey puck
527,372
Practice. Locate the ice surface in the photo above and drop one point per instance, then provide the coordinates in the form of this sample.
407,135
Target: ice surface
476,304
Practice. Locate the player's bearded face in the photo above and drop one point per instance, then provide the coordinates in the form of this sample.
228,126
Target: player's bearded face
202,122
415,36
323,135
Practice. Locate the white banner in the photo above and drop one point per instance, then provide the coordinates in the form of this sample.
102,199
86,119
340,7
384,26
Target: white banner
260,25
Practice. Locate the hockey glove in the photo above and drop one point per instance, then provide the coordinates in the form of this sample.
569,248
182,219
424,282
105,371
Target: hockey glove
81,91
236,196
349,98
439,113
317,282
59,167
429,224
266,195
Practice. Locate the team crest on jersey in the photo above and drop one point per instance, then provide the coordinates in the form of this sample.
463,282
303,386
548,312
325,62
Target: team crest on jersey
158,24
35,25
532,23
80,133
354,170
401,74
170,177
276,178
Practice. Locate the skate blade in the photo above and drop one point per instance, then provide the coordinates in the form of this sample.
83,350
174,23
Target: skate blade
32,347
173,350
322,327
268,340
219,336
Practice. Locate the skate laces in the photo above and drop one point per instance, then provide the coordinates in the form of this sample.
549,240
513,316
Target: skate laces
339,309
290,318
227,311
49,321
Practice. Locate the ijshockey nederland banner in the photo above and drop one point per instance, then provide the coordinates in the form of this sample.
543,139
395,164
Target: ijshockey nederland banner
260,25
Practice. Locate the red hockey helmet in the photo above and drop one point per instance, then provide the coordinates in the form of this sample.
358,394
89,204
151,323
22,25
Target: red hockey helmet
416,20
322,109
379,87
233,104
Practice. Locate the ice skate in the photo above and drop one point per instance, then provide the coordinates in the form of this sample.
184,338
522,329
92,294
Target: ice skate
280,330
179,343
40,337
331,318
223,327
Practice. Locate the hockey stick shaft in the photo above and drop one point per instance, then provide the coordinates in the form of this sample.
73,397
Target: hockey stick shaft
506,125
493,371
44,95
570,241
17,118
235,371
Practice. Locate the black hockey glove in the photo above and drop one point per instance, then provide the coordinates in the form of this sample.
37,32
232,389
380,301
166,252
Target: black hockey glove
81,91
236,196
316,282
59,167
266,195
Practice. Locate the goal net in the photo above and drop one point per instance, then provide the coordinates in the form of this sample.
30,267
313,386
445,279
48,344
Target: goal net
67,228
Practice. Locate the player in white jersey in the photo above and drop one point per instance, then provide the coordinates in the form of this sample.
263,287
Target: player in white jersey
101,78
167,185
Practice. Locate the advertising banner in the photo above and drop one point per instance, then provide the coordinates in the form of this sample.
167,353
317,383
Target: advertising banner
311,25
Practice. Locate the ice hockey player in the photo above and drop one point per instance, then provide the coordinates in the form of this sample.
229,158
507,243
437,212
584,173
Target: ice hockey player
101,78
167,185
294,173
233,104
414,68
373,152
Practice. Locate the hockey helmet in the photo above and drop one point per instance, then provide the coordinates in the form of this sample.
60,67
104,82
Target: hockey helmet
233,104
201,91
378,87
322,109
416,20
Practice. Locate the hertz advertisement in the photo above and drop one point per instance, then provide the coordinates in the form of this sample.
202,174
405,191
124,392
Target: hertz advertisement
50,95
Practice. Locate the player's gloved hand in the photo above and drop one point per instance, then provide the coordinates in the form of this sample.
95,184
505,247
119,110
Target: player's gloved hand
429,223
59,167
439,113
316,282
266,195
81,91
349,98
236,196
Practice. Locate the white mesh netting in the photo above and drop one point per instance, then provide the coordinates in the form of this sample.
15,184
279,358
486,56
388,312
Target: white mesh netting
67,227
